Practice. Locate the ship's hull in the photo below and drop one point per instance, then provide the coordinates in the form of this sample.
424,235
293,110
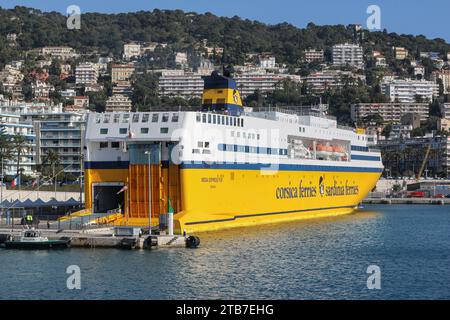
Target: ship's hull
215,199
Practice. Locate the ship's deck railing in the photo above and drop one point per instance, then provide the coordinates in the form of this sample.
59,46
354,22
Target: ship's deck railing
296,110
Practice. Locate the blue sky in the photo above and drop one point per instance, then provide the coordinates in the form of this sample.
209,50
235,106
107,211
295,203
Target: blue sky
402,16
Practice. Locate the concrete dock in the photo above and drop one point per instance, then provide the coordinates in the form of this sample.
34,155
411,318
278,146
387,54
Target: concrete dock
433,201
105,238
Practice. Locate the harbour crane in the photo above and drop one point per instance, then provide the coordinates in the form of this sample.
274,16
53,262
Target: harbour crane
424,162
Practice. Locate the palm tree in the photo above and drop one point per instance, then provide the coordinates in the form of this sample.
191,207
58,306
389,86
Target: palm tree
50,163
19,145
6,149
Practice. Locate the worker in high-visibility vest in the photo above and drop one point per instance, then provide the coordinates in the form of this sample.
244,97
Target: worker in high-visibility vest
29,219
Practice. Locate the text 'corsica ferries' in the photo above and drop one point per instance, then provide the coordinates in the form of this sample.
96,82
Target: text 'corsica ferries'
225,166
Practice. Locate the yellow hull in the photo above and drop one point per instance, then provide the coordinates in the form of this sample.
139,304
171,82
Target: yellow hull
216,199
220,199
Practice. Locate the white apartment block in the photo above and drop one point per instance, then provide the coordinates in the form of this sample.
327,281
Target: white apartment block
61,52
390,112
118,103
41,89
131,50
12,125
62,132
248,83
86,73
321,81
348,54
444,77
314,55
180,84
267,62
181,59
406,90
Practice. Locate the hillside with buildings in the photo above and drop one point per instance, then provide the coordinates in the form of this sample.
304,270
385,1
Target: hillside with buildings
395,86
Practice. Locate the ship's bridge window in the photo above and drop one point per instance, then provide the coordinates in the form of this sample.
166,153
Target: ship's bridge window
144,130
227,121
136,117
214,119
145,117
123,131
165,117
103,131
103,145
155,117
198,117
126,118
106,118
209,118
175,117
204,118
223,119
234,121
115,145
116,118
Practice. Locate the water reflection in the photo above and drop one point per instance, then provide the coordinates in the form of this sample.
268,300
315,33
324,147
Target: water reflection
311,259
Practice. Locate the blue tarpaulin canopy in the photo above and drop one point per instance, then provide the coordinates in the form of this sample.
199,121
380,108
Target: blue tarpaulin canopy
38,203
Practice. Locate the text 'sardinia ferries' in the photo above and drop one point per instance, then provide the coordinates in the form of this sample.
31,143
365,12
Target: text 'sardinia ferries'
225,166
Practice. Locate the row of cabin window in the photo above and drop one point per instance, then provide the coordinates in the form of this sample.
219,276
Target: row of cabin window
250,149
246,135
105,144
220,119
145,117
125,130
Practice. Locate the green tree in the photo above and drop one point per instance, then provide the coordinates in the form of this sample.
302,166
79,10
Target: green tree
19,143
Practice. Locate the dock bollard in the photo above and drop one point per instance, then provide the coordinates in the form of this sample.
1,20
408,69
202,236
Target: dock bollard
192,242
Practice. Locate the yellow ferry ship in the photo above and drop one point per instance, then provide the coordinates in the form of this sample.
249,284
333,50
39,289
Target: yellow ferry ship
225,166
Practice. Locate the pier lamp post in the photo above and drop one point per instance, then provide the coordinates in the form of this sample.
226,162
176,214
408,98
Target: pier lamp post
149,192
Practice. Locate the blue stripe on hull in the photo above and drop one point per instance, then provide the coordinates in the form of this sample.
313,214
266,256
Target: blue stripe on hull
281,167
237,166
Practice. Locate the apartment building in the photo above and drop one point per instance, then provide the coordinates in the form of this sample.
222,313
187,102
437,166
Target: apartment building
60,52
178,83
348,54
390,112
11,125
41,89
409,91
118,103
61,132
442,76
86,73
132,50
248,83
314,55
121,72
403,155
320,82
400,53
267,62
